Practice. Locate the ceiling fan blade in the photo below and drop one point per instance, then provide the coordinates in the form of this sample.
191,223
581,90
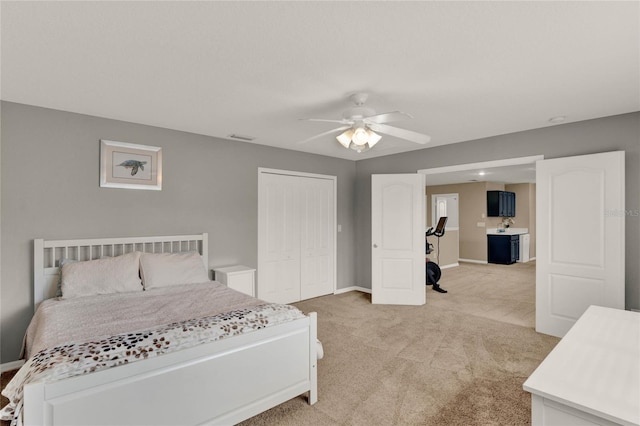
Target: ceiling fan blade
387,117
328,132
327,120
400,133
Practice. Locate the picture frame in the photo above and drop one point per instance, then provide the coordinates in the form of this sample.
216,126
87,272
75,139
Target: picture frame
131,166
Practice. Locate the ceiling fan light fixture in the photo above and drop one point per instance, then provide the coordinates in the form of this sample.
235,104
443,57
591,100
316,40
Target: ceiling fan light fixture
374,138
345,138
360,136
360,139
360,148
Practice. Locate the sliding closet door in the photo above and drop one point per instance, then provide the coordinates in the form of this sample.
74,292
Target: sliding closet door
279,239
296,236
317,237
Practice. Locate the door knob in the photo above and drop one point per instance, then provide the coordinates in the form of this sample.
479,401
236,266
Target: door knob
375,246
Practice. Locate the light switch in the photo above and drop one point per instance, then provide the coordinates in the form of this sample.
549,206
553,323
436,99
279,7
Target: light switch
480,224
339,228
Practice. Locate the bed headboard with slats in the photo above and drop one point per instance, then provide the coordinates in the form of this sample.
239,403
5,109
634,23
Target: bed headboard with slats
48,253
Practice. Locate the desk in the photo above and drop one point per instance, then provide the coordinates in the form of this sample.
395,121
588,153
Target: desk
593,375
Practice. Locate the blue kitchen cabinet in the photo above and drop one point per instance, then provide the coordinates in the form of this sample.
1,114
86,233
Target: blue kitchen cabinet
501,204
504,249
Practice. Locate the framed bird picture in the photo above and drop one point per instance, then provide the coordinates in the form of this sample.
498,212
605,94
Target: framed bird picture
127,165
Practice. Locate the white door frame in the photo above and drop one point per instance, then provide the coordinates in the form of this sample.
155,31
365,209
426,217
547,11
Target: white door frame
264,170
516,161
433,201
484,164
434,198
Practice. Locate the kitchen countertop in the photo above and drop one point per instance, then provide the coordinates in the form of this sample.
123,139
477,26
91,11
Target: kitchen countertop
507,231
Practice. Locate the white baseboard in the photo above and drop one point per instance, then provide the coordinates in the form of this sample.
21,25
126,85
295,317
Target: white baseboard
451,265
482,262
13,365
352,288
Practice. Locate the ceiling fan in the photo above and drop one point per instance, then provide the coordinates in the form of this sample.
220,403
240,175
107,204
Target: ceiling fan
360,124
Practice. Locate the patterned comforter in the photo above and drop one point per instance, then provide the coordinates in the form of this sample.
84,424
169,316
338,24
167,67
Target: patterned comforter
75,358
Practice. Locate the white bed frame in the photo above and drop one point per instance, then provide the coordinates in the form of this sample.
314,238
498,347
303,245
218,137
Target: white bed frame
222,382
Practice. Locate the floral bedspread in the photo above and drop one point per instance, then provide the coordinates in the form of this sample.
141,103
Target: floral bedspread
74,359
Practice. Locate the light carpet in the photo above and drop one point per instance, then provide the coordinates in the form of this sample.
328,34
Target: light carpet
460,359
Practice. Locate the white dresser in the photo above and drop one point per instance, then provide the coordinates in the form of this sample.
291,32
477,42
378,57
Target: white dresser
238,277
593,375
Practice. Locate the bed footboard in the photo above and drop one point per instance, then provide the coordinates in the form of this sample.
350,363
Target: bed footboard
222,382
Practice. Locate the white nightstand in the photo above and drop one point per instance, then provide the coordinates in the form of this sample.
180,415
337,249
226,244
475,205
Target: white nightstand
238,277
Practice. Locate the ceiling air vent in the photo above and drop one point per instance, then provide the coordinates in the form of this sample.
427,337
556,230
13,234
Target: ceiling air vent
242,138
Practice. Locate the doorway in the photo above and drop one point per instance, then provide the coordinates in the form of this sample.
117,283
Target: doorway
447,247
471,182
573,195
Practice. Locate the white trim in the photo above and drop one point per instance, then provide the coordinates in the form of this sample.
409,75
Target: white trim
265,170
485,164
294,173
10,366
481,262
434,197
352,288
451,265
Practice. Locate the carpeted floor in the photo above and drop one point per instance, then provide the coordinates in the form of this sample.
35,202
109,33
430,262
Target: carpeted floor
460,359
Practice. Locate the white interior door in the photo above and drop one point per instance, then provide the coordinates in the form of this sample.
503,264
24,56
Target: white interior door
279,239
580,238
445,205
317,238
398,246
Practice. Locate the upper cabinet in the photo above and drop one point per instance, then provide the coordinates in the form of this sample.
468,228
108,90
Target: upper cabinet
501,204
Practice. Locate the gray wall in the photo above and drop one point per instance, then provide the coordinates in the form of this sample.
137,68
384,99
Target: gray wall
620,132
50,189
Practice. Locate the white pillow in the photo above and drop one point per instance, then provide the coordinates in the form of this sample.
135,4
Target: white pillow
61,263
167,269
101,276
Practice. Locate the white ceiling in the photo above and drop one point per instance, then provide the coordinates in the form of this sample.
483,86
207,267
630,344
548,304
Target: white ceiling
464,70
